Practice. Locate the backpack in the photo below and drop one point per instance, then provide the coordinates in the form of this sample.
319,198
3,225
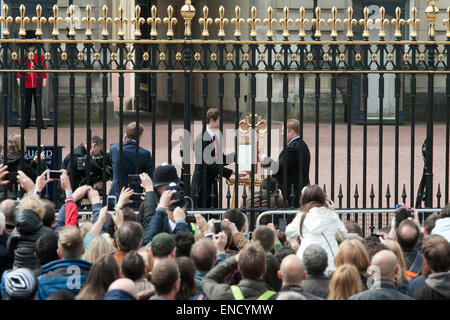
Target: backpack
416,267
237,294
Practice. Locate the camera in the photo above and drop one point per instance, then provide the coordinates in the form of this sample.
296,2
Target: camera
54,174
178,195
134,179
137,196
402,213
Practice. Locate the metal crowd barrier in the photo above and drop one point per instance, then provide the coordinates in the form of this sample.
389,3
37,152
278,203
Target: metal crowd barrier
88,215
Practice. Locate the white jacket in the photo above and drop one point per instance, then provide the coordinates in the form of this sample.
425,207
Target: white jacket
324,228
442,228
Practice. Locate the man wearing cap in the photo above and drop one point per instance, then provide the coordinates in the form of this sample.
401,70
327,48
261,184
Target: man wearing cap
170,216
162,247
31,85
164,174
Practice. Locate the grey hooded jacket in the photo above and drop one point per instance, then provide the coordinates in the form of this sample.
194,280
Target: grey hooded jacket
437,287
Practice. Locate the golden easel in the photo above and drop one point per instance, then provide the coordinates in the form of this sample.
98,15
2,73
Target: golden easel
260,128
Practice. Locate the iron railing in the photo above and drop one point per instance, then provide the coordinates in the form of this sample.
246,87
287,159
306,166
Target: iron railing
293,58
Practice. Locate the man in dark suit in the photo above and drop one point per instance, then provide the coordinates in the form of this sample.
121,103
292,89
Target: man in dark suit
207,148
296,156
129,158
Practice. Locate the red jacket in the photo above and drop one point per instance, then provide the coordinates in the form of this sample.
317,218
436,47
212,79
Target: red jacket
31,77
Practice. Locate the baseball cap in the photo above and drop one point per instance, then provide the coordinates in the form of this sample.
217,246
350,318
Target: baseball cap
162,244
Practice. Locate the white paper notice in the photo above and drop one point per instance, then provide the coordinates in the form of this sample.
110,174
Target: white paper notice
245,157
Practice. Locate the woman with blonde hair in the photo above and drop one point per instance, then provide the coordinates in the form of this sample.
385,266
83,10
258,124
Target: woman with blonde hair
353,251
345,282
100,245
402,282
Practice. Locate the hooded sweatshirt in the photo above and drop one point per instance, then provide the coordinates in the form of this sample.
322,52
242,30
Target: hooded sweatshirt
437,287
322,227
442,228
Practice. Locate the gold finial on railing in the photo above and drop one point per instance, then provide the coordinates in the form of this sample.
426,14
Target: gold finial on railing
188,13
317,22
350,22
382,21
121,21
5,20
104,21
88,20
398,22
170,21
269,22
55,20
334,22
253,21
205,21
221,21
154,21
365,23
237,21
301,22
447,22
72,20
432,13
39,20
137,21
413,22
285,22
22,20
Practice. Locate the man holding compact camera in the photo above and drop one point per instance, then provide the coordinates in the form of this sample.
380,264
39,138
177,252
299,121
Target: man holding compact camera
170,215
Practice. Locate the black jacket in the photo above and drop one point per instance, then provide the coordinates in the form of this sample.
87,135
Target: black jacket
147,208
215,289
316,285
437,287
300,290
23,238
199,188
6,260
381,290
30,169
77,175
271,276
297,157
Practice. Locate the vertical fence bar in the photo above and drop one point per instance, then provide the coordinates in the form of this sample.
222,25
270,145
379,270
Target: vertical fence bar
285,51
397,66
431,48
72,49
23,65
334,50
170,66
413,49
137,95
365,95
89,48
269,94
5,85
350,58
221,48
105,66
55,87
38,102
381,49
205,54
237,95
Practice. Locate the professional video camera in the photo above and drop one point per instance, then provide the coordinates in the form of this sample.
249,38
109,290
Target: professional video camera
96,168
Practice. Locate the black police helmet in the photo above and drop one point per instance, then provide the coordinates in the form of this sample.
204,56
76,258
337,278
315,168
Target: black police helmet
165,174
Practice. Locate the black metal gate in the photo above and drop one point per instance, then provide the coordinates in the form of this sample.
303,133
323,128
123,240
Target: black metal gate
347,63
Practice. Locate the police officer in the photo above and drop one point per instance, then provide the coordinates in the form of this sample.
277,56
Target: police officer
164,175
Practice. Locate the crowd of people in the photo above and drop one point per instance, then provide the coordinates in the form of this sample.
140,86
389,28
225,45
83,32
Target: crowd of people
163,253
158,255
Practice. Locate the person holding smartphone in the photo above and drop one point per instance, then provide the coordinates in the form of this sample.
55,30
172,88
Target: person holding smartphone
170,216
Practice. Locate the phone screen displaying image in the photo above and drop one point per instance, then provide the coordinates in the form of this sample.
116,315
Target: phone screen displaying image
111,203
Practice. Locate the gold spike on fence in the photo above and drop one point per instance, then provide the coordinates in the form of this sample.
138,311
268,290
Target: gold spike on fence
277,23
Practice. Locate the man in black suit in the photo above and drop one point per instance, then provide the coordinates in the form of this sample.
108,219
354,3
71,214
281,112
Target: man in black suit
129,158
296,157
207,148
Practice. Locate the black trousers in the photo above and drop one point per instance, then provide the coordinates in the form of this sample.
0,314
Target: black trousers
30,93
